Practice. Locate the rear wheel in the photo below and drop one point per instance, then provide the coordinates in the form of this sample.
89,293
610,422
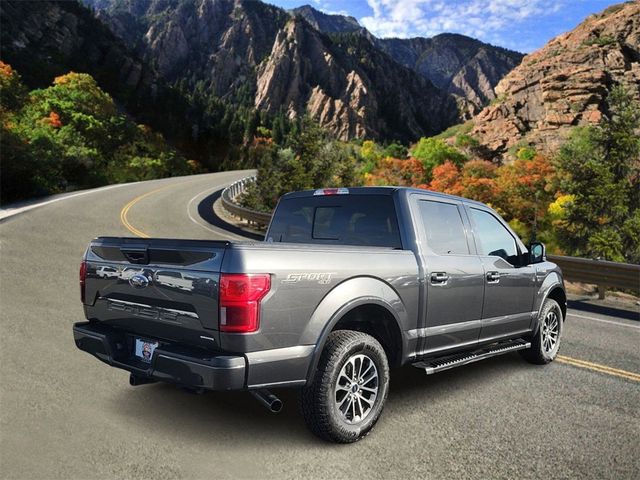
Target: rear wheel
349,389
546,342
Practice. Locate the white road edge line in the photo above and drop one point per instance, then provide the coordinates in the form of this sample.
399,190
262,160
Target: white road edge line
221,232
603,320
10,212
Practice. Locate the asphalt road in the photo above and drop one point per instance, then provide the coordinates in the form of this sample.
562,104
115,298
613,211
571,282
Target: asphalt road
64,414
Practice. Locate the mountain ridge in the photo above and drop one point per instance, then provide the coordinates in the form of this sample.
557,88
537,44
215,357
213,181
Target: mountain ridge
564,84
224,45
163,34
458,64
244,54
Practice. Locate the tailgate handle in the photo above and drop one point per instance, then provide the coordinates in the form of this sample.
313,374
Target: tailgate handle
139,256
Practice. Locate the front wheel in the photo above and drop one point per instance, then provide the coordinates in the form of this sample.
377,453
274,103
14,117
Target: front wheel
546,341
349,389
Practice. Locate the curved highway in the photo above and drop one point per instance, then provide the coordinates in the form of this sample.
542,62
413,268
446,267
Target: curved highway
65,415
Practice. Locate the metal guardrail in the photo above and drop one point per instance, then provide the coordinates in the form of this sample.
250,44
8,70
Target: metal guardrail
602,273
229,202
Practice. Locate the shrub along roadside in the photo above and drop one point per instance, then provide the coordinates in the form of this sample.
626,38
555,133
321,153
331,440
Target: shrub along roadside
71,135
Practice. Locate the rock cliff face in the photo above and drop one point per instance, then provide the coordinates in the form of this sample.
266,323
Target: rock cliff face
218,42
256,54
351,88
45,39
252,54
301,74
459,65
565,83
328,23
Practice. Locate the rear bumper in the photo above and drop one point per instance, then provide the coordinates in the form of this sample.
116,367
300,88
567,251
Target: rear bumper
172,363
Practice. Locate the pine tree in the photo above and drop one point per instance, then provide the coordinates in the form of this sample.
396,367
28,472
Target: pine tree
600,168
251,125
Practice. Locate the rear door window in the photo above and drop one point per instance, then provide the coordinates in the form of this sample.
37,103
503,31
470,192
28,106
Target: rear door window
368,220
443,228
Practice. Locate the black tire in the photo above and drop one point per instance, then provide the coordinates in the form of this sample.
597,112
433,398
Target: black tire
541,351
318,401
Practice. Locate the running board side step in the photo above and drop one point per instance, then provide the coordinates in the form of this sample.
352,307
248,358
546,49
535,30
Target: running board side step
445,363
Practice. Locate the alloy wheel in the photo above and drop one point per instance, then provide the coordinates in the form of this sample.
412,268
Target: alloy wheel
356,388
550,331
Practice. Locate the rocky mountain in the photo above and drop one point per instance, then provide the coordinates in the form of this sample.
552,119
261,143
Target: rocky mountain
349,86
249,52
43,40
46,39
328,23
564,84
219,42
459,65
214,60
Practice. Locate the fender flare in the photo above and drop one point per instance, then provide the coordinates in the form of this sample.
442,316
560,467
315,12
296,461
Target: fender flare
550,283
340,301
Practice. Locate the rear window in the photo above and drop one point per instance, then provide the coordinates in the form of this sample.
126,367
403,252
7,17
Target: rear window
368,220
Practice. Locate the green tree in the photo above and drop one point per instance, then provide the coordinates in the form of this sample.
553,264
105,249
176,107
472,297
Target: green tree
251,127
12,91
396,150
278,129
29,167
371,153
600,169
71,135
433,152
311,160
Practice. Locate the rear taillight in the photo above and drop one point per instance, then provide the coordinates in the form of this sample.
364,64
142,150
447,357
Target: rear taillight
240,296
83,277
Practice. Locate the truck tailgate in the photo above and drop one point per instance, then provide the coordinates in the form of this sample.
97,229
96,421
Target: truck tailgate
157,288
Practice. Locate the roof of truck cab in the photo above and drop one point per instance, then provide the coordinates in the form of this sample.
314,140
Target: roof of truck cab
390,190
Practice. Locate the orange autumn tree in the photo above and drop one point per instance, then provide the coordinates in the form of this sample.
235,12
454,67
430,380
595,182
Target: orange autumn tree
475,180
526,189
447,179
394,171
479,181
12,91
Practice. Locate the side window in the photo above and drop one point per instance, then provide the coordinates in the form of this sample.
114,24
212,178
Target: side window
493,239
443,228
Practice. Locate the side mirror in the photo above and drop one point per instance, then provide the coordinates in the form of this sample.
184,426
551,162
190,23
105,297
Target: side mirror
536,252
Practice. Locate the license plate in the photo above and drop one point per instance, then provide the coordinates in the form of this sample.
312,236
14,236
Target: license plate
144,349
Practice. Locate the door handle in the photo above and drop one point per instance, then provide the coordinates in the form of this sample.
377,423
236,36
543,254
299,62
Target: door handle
439,278
493,277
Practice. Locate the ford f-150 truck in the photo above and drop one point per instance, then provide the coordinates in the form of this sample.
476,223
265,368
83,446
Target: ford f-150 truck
348,283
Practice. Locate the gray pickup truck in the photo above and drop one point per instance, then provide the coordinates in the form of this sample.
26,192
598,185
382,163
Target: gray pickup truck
348,283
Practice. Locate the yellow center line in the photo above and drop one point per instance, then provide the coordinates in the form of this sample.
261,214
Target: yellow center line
127,207
596,367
